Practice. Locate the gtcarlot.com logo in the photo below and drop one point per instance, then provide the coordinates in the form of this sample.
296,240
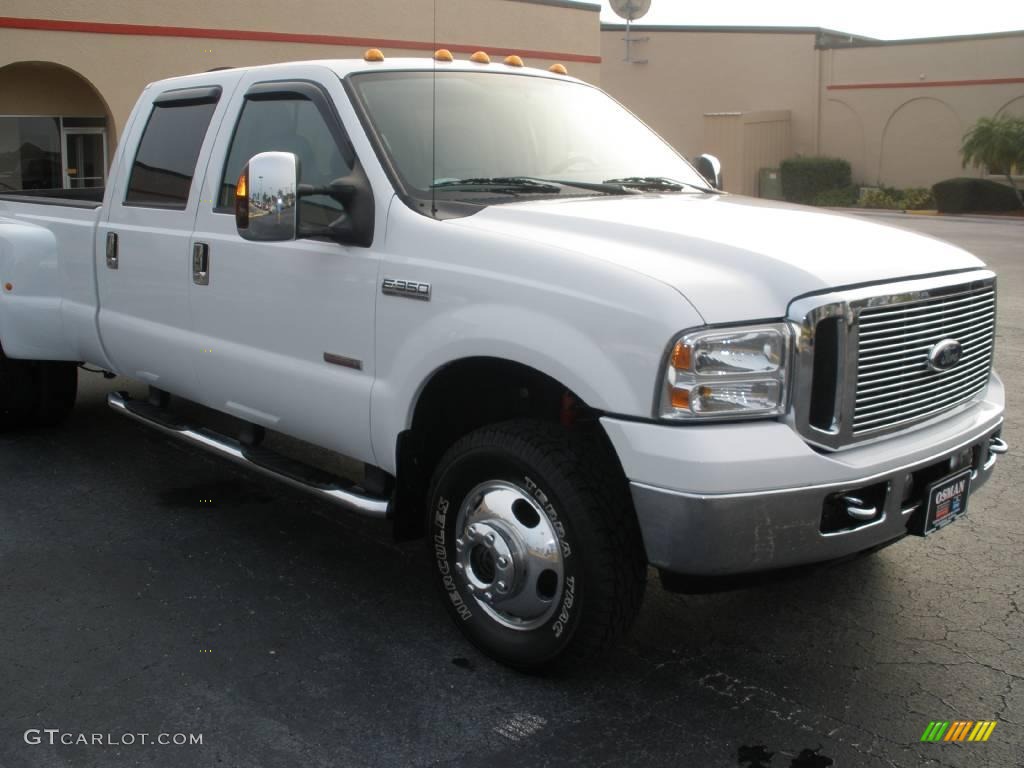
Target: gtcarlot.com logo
55,736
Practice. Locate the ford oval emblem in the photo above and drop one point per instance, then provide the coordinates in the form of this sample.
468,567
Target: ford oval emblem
945,355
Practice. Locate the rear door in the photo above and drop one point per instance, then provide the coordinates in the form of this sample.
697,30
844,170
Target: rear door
286,328
144,260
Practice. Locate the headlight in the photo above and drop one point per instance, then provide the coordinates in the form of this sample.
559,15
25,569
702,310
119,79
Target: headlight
727,372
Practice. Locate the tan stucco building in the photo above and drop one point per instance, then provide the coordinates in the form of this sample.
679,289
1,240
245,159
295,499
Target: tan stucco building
70,71
897,110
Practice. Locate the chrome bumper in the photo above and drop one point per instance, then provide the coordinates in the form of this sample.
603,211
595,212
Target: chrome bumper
720,534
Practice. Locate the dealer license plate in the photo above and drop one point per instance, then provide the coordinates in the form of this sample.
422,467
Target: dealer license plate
947,501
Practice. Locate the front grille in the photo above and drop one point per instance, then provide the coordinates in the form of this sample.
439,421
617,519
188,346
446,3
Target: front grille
894,384
861,367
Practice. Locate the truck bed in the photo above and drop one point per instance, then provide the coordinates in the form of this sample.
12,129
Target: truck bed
75,198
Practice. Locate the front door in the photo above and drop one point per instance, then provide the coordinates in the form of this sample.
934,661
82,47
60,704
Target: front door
85,157
286,327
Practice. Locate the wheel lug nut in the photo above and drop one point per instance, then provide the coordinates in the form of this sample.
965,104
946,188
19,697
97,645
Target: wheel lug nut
470,588
502,587
459,544
503,562
488,596
459,567
490,538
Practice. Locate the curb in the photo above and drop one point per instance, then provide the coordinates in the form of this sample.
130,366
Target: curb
934,214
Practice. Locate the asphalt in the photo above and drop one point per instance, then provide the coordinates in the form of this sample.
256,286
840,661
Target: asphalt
149,588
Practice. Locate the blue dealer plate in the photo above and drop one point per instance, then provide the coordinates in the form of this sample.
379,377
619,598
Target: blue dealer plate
947,501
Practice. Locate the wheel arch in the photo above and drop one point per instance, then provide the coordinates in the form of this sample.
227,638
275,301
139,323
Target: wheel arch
464,395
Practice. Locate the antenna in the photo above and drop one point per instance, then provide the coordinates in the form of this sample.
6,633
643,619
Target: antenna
631,10
433,123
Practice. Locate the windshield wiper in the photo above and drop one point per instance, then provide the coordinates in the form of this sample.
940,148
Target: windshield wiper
659,183
535,184
513,183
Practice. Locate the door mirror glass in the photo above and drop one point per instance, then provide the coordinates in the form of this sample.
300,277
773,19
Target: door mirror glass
710,167
266,204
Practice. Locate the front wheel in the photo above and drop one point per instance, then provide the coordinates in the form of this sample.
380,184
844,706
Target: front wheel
537,548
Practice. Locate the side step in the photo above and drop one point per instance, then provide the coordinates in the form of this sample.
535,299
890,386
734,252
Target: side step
319,483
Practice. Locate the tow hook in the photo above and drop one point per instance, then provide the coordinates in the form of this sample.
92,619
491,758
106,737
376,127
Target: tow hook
996,448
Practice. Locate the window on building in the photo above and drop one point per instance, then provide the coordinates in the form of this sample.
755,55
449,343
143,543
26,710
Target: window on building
166,159
291,124
30,153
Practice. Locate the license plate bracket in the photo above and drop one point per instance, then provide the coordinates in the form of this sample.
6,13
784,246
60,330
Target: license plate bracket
945,502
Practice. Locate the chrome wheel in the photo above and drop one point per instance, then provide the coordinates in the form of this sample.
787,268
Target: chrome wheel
508,555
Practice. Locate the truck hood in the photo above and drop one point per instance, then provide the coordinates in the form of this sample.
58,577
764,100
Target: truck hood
734,258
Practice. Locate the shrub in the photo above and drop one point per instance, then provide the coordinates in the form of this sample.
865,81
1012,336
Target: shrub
882,197
804,178
918,199
837,198
964,195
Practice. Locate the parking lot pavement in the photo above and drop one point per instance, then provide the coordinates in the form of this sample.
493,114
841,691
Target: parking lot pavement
148,588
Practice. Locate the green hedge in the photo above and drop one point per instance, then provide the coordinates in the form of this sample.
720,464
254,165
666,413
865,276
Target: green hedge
805,178
964,195
844,197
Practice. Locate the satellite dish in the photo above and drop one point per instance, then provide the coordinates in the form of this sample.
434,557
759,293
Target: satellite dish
631,10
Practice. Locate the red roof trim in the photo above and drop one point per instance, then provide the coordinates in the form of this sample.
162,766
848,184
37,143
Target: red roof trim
927,83
148,30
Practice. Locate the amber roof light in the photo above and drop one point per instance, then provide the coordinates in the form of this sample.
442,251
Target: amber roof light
374,54
480,58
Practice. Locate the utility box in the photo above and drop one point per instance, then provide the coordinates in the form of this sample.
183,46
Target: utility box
769,184
746,142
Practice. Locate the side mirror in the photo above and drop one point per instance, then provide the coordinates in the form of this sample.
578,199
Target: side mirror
710,167
266,203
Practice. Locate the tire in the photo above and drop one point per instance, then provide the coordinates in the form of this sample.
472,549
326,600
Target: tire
35,393
537,549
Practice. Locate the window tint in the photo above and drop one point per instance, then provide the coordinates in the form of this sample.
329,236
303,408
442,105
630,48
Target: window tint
288,125
166,160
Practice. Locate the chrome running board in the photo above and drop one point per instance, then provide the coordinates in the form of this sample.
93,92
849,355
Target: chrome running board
329,487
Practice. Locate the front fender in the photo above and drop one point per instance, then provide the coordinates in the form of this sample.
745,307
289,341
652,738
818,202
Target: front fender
599,329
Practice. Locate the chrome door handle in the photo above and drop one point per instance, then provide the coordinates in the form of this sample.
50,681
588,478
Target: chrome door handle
200,263
112,262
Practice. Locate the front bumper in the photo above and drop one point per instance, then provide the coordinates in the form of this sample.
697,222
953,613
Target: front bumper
723,499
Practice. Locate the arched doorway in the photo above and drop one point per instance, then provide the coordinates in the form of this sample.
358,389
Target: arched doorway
921,144
56,130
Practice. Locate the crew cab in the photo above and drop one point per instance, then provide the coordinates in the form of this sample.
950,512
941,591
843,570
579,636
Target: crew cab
561,354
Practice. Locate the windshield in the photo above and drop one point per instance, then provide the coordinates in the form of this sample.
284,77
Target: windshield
512,132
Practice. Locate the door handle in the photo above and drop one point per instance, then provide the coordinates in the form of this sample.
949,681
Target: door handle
112,250
200,263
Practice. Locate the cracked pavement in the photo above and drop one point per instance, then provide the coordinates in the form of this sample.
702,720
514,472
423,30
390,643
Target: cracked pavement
286,639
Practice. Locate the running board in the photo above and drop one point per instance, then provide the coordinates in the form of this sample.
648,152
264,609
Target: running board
326,486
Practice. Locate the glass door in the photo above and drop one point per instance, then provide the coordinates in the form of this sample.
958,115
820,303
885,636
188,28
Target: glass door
85,157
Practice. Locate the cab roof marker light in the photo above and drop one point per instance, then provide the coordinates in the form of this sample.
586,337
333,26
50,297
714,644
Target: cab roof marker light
558,69
480,58
373,54
513,61
443,54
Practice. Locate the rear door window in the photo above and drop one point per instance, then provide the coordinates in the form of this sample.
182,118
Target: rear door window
166,159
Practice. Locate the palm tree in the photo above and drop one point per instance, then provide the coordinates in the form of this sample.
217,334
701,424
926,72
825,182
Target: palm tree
996,143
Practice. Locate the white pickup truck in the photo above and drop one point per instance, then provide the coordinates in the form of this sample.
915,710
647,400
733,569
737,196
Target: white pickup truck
560,352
